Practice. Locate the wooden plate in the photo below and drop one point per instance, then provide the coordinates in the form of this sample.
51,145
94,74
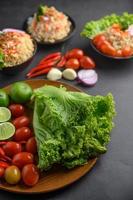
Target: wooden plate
55,178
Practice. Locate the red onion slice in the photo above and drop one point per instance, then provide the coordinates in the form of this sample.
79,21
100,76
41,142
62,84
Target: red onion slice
88,77
12,30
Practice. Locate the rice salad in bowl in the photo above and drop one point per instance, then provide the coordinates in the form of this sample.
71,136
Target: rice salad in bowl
48,25
16,47
111,36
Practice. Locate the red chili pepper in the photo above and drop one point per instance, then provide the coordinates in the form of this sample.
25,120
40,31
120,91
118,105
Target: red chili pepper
3,159
56,58
4,164
40,67
8,159
62,62
46,64
41,72
2,143
3,155
52,55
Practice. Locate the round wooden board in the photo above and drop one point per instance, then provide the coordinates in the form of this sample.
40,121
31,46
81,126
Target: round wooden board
55,178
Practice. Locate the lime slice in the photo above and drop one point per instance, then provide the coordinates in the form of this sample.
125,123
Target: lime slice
7,130
5,114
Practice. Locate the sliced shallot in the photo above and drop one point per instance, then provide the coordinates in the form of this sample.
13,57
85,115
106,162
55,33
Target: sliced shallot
88,77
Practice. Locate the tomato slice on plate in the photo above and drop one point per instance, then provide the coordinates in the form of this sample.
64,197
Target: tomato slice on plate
119,53
98,40
108,49
127,51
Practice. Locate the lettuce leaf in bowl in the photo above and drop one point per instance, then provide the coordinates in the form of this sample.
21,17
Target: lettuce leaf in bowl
93,28
71,127
1,59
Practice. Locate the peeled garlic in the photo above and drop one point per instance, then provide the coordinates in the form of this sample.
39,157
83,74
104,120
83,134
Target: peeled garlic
69,74
54,74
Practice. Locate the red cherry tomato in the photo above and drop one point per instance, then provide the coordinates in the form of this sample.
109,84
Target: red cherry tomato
119,53
31,145
22,159
11,148
117,27
72,63
127,51
87,63
22,134
30,175
2,171
108,49
21,122
17,110
98,40
124,34
74,53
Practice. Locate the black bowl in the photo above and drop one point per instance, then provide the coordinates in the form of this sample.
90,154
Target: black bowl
20,67
107,56
70,34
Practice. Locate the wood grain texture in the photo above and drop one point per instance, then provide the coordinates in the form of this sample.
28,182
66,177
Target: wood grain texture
58,177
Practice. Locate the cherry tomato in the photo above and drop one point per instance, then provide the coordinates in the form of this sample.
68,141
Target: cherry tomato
108,49
12,175
74,53
87,63
17,110
98,40
116,27
127,51
11,148
21,122
22,159
72,63
22,134
125,34
31,145
30,175
2,170
119,53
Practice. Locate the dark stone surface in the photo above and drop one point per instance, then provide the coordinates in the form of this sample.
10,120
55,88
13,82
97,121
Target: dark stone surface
112,177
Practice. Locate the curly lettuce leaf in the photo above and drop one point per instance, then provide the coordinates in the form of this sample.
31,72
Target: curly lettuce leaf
1,60
93,28
71,127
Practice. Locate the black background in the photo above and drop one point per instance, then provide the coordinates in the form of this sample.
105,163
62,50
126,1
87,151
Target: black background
112,177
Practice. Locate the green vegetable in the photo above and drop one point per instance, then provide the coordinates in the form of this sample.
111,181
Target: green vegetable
7,130
5,114
20,92
41,11
4,99
93,28
1,60
70,127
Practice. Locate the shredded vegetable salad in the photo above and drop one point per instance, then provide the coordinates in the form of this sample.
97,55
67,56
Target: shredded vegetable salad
93,28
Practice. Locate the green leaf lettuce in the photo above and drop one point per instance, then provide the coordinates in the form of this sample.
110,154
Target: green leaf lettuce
93,28
71,127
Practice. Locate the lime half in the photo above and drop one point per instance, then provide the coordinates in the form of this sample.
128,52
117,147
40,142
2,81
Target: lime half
5,114
7,130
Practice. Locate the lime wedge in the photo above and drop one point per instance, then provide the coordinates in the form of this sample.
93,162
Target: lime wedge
7,130
5,114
